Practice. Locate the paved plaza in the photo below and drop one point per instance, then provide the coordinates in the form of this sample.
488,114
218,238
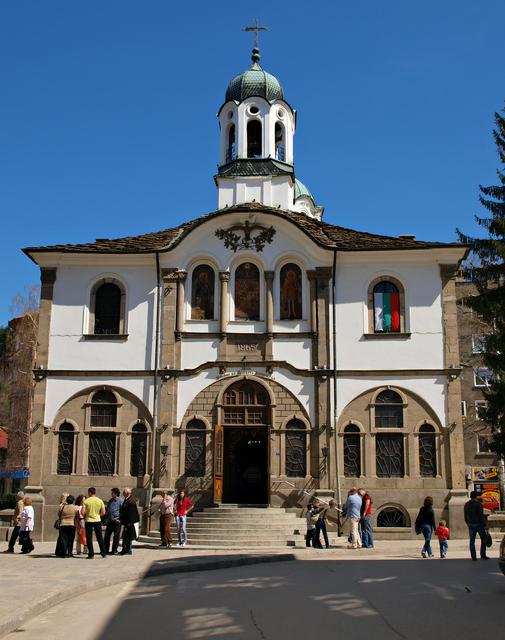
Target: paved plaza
282,595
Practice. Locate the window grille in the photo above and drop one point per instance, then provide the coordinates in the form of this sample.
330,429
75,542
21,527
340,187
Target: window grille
64,466
102,454
296,449
388,410
138,451
427,452
390,456
194,459
352,451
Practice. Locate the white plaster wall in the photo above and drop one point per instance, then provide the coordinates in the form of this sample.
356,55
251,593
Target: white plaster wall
59,390
293,350
196,352
421,280
70,312
432,389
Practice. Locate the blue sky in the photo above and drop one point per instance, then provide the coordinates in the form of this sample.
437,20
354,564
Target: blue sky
108,126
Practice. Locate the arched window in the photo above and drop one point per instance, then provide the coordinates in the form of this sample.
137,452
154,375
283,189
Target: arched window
388,410
194,459
230,149
427,451
202,293
138,451
296,449
254,139
65,463
391,517
107,309
352,451
102,445
280,142
103,409
247,292
291,292
246,403
386,308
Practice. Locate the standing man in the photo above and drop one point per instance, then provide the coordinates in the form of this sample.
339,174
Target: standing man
129,516
166,510
352,510
366,519
474,518
93,509
113,523
18,510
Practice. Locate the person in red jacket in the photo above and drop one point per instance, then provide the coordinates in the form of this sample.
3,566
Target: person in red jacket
443,534
183,506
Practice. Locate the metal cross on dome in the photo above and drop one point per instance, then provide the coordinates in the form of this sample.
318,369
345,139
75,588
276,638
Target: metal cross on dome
256,28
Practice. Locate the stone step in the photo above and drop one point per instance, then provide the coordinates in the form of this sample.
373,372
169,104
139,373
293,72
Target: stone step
246,516
224,526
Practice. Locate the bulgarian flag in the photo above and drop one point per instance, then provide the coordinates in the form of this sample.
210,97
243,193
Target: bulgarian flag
387,311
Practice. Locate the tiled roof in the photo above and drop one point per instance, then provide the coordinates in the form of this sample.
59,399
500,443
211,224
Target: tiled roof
326,235
255,167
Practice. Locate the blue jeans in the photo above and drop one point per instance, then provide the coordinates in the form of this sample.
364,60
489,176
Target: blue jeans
182,533
366,532
427,531
475,529
444,547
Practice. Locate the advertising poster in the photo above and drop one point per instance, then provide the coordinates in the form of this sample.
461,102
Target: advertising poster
489,494
485,474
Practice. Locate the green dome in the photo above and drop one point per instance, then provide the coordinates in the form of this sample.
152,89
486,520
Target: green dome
254,82
301,191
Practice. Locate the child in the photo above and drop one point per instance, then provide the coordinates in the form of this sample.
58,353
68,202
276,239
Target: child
311,527
443,534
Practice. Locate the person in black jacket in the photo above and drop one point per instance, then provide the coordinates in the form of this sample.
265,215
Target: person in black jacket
425,524
129,516
476,523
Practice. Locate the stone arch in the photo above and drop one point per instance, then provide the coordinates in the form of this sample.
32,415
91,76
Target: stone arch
393,506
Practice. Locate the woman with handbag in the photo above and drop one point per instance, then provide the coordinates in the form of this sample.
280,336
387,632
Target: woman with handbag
425,524
68,513
57,523
26,526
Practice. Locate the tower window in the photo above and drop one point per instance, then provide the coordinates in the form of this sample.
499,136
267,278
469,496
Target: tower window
254,139
107,309
231,153
247,292
280,143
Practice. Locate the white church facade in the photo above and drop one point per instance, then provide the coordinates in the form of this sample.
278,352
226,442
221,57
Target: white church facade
254,355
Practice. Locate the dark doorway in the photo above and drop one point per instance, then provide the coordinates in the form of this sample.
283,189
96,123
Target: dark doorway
245,465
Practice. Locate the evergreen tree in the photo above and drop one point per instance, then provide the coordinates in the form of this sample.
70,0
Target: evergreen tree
488,274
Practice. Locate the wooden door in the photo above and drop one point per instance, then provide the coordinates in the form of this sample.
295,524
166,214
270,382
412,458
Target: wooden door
218,463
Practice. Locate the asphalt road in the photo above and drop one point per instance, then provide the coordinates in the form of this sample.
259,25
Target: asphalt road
379,599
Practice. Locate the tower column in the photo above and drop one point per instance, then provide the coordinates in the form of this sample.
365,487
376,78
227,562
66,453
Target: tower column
269,313
224,278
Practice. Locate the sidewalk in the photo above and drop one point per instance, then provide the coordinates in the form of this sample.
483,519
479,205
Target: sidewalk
33,583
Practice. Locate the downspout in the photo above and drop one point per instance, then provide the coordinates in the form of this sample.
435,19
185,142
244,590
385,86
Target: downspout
154,437
338,495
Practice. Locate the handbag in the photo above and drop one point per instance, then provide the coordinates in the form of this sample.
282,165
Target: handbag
489,540
57,522
315,518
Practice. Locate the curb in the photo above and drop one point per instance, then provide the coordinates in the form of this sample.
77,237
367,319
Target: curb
172,567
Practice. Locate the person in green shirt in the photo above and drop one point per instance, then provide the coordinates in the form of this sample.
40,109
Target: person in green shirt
93,510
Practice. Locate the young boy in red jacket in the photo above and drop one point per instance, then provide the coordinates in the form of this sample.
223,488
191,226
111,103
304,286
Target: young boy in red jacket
443,534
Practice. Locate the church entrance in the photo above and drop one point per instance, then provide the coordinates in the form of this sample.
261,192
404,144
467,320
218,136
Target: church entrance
242,445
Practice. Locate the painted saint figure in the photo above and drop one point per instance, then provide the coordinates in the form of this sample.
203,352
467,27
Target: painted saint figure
202,303
291,292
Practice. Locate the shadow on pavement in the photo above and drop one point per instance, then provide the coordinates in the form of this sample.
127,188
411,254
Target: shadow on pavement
394,598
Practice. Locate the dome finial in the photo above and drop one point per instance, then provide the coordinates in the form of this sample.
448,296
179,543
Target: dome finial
256,28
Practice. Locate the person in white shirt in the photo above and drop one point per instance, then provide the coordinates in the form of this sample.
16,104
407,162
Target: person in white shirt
26,526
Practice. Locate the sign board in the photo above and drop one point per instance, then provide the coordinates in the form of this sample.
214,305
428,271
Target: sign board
489,494
485,474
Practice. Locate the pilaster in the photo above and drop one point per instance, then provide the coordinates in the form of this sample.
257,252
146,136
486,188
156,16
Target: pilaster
454,438
224,279
269,315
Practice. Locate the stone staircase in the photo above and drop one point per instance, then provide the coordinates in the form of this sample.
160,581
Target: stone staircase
242,527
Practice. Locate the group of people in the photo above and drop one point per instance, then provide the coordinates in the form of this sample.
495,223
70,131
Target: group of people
357,509
475,521
179,508
80,519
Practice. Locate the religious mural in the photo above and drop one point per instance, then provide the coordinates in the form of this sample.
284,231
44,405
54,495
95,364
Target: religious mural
247,292
202,293
291,292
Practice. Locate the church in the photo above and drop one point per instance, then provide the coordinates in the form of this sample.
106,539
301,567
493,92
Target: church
255,355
